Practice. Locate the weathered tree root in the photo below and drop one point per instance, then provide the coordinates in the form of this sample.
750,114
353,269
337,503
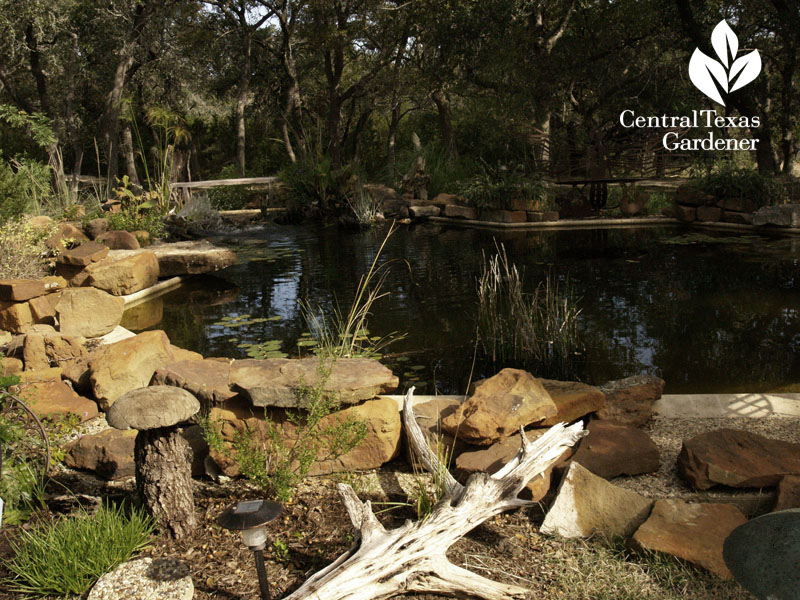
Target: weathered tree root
412,558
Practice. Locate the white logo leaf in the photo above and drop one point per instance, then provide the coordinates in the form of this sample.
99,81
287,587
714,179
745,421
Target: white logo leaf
723,39
750,67
701,70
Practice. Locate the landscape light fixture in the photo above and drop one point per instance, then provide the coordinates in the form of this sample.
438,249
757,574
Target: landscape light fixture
250,518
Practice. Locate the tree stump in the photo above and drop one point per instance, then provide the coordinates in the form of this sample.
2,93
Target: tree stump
164,479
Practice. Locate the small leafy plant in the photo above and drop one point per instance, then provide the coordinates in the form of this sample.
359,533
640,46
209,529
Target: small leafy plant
68,555
279,455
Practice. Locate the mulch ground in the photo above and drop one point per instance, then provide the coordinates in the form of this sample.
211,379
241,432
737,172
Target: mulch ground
312,532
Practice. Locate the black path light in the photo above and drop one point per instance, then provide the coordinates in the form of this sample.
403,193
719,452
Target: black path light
250,518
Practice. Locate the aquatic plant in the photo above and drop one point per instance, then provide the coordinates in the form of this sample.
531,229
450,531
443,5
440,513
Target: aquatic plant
346,334
537,331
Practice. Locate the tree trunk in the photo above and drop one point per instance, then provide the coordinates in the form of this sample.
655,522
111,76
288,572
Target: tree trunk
391,140
164,479
130,158
412,558
241,105
445,124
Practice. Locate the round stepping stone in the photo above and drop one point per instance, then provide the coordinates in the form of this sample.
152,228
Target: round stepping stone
146,579
763,555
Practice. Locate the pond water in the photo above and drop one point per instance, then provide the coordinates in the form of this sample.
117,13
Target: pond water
708,312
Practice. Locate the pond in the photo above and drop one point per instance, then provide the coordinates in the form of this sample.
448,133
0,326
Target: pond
708,312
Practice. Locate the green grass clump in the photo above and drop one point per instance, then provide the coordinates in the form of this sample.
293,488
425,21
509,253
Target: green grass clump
68,555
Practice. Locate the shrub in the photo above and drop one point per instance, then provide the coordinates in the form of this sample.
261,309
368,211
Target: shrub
277,460
68,555
537,331
23,252
748,184
499,190
24,187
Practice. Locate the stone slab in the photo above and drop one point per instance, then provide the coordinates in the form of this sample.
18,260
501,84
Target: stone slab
755,405
185,258
19,290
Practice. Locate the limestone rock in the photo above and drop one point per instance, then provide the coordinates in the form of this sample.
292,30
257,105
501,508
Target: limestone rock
10,366
788,493
96,227
505,216
573,400
499,406
33,352
108,453
691,195
692,532
494,457
118,240
422,212
630,401
610,450
736,459
64,236
709,213
460,212
55,399
83,255
186,258
19,290
63,348
381,444
40,375
687,214
207,379
275,381
125,276
152,407
43,308
88,312
782,215
15,317
588,504
127,365
184,354
429,417
732,216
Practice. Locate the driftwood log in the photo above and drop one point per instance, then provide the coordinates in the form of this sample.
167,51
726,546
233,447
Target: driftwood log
412,558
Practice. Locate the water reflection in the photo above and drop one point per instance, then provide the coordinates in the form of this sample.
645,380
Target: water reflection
705,316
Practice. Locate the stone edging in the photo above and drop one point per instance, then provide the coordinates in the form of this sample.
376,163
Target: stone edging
560,224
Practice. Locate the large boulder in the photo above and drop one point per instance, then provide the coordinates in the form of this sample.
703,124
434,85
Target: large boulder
630,401
186,258
55,399
692,532
127,365
108,453
34,353
88,312
43,308
279,381
379,446
587,504
493,458
125,276
573,400
736,459
96,227
499,406
782,215
610,450
65,235
207,379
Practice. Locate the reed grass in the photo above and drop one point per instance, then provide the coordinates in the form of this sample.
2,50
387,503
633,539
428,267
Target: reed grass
537,331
